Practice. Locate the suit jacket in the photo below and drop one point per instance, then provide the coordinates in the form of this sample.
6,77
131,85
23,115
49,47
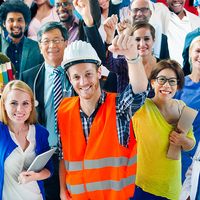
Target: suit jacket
35,78
31,55
189,37
164,51
29,76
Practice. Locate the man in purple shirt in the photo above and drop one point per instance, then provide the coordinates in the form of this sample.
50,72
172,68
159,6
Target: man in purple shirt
85,29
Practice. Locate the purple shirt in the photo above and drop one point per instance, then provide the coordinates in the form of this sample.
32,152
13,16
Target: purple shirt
74,31
119,66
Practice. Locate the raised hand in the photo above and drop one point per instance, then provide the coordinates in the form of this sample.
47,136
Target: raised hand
83,8
124,44
124,27
110,26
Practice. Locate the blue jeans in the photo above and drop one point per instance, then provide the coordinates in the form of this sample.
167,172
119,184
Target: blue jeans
142,195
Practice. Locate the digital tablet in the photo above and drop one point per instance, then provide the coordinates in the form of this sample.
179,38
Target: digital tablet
41,160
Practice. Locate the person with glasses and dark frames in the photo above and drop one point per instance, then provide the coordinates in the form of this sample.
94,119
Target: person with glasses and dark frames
77,27
140,10
85,29
159,177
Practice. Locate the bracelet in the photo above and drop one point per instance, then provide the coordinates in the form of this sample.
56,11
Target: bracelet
107,45
134,60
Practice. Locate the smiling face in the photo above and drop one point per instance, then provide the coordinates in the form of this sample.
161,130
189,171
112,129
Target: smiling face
144,41
164,92
176,5
64,8
84,78
140,11
51,50
18,106
15,25
194,55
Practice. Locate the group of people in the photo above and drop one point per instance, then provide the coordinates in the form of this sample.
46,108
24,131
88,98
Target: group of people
109,145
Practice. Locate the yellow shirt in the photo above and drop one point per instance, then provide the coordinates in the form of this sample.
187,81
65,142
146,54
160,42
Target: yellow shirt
156,174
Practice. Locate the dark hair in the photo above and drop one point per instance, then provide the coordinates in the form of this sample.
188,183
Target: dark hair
34,8
14,6
169,64
144,24
51,26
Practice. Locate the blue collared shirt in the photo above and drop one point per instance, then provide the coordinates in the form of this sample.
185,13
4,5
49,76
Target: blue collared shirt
48,100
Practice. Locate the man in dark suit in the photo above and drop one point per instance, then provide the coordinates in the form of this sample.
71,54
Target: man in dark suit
23,52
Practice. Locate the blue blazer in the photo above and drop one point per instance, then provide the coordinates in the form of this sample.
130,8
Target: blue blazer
7,145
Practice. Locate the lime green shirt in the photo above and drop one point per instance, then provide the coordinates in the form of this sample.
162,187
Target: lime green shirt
156,174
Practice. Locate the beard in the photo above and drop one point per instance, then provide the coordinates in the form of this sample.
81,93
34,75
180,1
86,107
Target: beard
68,19
19,35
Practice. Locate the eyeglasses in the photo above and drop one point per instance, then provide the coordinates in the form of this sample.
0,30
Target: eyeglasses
142,10
161,80
46,42
63,4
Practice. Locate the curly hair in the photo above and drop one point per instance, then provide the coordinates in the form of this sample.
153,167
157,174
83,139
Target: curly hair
14,6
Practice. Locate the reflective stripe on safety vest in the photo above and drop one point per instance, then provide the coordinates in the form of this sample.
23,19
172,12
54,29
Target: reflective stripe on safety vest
102,185
100,163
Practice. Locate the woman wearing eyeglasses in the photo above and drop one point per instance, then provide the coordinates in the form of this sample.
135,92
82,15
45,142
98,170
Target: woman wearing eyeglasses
190,94
154,125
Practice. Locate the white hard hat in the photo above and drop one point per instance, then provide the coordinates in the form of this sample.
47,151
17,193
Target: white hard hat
79,52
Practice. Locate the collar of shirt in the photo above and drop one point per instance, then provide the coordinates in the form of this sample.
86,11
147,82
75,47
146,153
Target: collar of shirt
49,70
99,103
10,41
75,23
185,18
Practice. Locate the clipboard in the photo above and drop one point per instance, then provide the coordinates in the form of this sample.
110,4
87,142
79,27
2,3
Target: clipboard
186,119
41,160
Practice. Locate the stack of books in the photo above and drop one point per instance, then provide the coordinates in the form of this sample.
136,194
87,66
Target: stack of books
6,74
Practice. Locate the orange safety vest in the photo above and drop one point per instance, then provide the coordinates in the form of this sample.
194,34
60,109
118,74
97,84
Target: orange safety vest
99,168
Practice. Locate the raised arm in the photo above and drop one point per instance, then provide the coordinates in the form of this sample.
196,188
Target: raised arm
90,28
110,25
83,8
125,44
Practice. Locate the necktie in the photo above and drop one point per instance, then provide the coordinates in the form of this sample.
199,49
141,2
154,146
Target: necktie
57,94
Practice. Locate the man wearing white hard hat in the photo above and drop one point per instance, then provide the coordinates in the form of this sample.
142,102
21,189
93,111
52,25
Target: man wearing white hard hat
99,148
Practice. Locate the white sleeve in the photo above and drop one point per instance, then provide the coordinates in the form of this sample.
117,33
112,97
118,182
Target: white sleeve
187,185
185,192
